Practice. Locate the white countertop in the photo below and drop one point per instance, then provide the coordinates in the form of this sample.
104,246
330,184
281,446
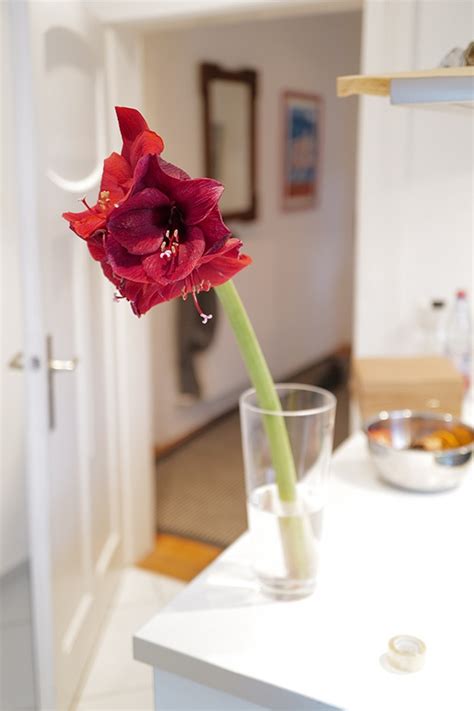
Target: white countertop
393,563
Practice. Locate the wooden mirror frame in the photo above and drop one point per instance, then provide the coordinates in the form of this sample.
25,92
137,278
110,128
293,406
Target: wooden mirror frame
209,72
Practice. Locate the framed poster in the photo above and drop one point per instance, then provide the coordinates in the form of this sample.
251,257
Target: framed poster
302,120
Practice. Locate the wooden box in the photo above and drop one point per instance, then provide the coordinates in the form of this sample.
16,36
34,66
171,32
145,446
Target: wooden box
425,384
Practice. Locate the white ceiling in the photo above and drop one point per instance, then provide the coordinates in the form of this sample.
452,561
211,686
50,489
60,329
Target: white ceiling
159,13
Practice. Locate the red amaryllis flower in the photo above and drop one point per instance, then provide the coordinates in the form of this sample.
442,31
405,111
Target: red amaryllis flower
158,234
117,175
169,236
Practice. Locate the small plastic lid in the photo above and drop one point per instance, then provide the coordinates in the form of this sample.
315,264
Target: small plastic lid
461,294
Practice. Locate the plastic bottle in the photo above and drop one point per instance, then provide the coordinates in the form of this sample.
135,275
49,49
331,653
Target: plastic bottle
437,328
459,337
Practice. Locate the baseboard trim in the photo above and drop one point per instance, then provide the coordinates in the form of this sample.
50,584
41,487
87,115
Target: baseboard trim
338,356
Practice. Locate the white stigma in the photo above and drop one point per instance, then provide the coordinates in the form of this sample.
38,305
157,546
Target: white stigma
166,253
205,318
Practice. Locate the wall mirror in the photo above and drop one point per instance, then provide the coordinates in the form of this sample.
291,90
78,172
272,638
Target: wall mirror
229,111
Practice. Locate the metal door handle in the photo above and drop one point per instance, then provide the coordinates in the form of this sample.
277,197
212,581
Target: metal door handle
54,366
57,365
17,363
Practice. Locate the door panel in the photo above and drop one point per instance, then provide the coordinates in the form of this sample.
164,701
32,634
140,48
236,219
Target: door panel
84,488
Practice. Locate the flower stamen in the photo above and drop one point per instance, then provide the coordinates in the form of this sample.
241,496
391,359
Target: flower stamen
205,317
170,245
85,203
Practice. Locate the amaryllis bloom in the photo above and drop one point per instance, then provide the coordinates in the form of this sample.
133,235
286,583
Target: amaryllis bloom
117,175
157,233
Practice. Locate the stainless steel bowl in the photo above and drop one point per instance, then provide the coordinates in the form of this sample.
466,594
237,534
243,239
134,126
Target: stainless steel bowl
390,438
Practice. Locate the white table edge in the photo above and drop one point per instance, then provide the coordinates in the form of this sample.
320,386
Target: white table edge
219,678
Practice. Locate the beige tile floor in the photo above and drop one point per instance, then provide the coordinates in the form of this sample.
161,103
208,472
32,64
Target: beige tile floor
115,681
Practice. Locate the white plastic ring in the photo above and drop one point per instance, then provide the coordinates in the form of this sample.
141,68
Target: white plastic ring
406,653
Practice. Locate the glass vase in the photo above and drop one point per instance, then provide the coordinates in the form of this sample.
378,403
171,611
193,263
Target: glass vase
286,529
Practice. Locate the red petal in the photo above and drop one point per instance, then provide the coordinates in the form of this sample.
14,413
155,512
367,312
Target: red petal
138,224
148,142
223,268
220,248
149,174
84,223
96,246
213,227
125,265
169,270
117,173
109,274
131,289
195,198
173,170
151,295
131,124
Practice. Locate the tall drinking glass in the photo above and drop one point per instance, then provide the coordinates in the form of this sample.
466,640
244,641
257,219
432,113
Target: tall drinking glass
286,530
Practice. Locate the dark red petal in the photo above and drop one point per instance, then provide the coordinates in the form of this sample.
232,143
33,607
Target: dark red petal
148,174
138,224
168,270
152,294
84,223
131,290
222,247
213,227
172,170
223,267
153,172
195,198
131,124
108,272
96,245
125,265
146,143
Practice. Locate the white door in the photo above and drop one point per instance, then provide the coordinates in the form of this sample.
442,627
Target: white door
75,534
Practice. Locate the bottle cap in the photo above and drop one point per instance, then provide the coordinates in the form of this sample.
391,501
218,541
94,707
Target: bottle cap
406,653
461,294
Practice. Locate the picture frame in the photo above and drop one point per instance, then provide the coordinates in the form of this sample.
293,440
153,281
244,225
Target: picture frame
302,136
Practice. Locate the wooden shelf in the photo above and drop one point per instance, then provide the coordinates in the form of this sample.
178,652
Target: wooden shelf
454,85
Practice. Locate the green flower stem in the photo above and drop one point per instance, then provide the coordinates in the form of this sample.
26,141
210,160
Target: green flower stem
294,529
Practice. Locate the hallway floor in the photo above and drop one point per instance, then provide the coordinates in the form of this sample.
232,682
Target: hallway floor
200,492
115,681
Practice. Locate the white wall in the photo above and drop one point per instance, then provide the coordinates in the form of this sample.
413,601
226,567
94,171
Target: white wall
13,522
415,181
299,289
